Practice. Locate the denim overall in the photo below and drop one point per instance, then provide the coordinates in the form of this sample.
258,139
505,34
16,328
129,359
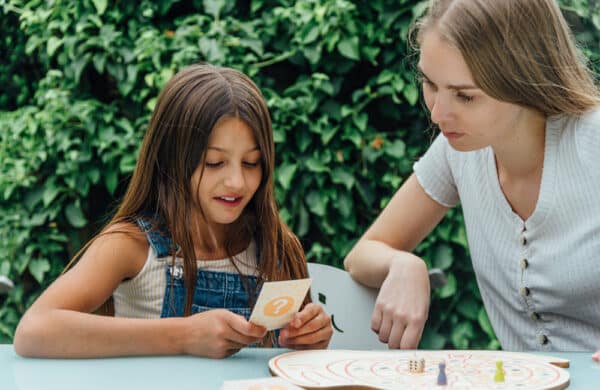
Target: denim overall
214,290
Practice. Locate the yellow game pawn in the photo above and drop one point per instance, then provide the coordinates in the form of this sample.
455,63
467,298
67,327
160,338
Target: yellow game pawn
499,376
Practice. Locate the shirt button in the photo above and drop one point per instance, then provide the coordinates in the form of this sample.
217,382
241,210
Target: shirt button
524,263
525,292
543,339
523,240
535,316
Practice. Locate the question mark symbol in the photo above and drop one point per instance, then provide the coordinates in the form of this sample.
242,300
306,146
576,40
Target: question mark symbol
278,306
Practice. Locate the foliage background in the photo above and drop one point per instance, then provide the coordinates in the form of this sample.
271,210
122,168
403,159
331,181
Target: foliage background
79,80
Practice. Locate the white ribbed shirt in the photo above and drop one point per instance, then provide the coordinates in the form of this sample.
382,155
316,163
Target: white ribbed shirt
540,278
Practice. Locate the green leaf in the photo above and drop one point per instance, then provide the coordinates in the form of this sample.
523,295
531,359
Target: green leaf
360,120
53,44
345,205
100,6
328,133
385,77
316,203
396,149
315,165
443,257
75,215
38,268
303,221
432,340
50,192
214,7
484,322
311,35
342,176
111,180
348,47
450,288
461,335
285,174
411,94
469,308
33,197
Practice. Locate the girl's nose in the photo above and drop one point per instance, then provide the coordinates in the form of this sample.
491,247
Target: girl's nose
235,178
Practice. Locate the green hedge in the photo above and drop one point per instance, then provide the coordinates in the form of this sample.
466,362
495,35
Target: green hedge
82,78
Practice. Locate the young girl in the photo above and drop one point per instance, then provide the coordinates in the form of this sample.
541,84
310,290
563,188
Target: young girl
197,233
520,133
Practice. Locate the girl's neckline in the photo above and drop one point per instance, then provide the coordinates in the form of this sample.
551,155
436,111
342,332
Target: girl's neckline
222,255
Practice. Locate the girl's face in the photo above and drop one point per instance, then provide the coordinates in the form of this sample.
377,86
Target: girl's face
467,117
232,172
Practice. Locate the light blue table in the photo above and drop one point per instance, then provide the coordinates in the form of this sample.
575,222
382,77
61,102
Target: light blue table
182,372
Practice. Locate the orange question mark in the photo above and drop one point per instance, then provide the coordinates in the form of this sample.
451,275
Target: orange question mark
278,306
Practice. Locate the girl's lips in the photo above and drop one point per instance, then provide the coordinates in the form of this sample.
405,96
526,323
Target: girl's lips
229,201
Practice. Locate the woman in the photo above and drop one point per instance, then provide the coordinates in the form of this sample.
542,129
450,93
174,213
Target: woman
520,133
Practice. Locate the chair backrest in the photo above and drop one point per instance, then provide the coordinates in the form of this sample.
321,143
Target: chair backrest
349,304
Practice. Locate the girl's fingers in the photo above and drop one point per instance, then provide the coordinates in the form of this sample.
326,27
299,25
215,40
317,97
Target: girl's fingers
309,312
321,320
317,339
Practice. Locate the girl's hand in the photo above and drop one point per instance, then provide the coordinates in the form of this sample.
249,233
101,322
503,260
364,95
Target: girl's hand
308,329
596,356
402,305
219,333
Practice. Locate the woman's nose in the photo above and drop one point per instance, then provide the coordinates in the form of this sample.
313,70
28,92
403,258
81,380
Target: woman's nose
440,110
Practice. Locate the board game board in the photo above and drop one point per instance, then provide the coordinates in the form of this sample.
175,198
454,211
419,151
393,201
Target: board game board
390,369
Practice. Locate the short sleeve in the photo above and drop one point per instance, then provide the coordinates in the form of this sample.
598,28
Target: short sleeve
587,135
434,173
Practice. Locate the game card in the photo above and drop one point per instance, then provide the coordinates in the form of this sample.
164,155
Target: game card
278,302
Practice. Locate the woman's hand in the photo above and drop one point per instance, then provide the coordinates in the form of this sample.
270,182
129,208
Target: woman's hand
596,356
219,333
402,305
309,329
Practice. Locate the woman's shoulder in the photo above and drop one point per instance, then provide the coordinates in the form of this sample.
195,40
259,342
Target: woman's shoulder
586,130
591,119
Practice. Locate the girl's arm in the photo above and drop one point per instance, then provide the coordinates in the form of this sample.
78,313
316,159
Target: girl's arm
59,323
382,258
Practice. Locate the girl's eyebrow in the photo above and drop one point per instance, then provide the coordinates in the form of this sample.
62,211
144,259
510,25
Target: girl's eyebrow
225,150
451,86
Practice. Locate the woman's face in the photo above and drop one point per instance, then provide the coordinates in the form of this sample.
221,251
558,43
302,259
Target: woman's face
467,117
232,172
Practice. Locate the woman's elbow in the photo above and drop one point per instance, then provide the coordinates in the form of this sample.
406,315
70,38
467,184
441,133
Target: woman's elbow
350,263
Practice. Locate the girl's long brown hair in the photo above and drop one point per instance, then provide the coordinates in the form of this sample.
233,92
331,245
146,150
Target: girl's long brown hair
174,145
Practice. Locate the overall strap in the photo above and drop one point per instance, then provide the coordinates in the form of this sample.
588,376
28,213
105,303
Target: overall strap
159,239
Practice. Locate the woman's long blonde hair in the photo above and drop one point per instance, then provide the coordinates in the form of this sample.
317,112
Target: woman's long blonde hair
518,51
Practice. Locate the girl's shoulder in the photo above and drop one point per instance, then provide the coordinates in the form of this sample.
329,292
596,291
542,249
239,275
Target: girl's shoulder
124,245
